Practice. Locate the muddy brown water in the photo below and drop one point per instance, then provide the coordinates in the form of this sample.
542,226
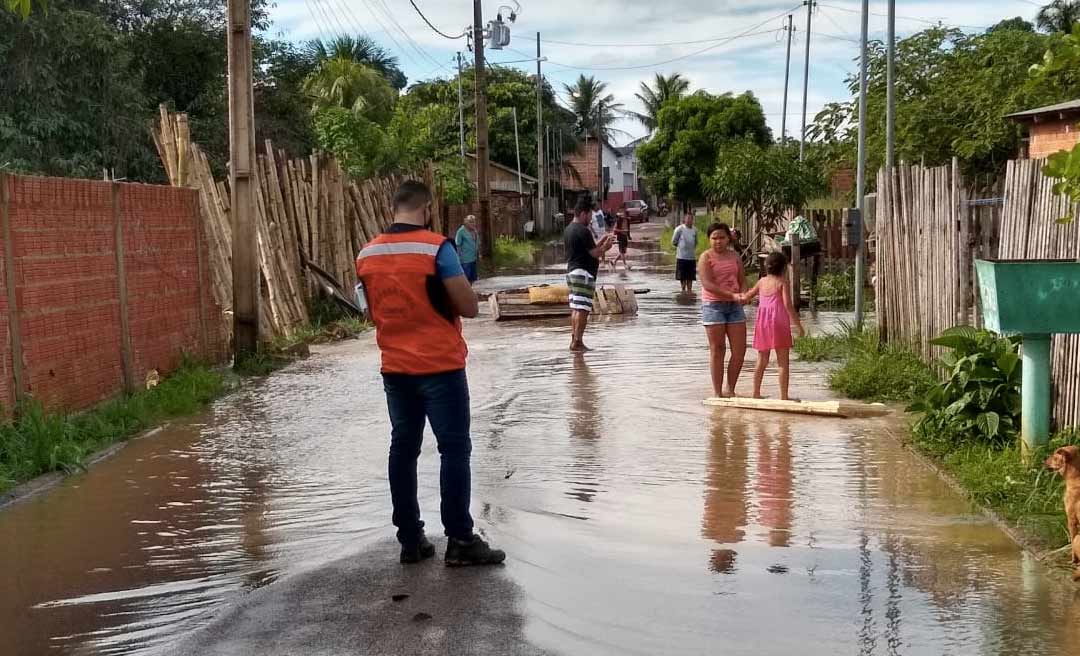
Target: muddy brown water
637,521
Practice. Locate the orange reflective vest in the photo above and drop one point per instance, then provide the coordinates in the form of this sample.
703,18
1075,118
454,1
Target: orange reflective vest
413,336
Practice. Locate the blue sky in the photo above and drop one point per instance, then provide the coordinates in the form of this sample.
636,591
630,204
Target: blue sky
629,40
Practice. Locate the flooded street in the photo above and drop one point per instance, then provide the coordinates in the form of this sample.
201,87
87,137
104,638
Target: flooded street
636,520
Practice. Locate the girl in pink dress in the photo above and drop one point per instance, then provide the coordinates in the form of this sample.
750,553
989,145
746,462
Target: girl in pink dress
775,315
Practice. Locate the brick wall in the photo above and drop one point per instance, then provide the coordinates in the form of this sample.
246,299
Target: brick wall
1051,137
586,164
66,282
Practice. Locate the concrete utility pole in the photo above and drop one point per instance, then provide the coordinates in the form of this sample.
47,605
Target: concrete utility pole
787,75
541,164
517,150
599,154
810,4
245,268
890,111
460,109
860,180
481,132
558,168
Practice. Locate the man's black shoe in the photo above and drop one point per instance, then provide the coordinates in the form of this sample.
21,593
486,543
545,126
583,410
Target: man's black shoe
462,553
422,550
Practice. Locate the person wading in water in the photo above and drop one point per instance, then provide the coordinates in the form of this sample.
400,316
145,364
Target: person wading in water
583,254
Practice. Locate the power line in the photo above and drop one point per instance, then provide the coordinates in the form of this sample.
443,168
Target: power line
437,30
908,18
638,44
412,42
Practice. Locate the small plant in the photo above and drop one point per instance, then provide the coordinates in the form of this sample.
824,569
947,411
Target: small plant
836,290
510,251
980,400
882,373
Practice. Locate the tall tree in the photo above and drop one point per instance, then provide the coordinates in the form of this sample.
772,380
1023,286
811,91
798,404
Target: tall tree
763,181
361,49
1059,16
690,131
589,101
653,97
350,85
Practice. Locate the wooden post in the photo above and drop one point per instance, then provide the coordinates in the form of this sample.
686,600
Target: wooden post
199,262
126,360
796,283
245,263
482,191
14,327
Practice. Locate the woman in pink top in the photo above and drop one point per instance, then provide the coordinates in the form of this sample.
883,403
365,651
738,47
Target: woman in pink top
722,281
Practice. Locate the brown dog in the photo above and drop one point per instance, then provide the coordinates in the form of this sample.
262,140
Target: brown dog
1066,461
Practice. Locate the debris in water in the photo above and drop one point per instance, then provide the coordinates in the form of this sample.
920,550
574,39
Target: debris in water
400,597
421,617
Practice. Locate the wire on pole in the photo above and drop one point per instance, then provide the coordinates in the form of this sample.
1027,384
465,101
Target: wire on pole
437,30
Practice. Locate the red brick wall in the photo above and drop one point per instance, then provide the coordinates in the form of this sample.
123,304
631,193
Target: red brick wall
7,392
586,163
66,282
1051,137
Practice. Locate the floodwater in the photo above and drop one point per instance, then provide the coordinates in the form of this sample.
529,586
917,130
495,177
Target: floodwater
636,520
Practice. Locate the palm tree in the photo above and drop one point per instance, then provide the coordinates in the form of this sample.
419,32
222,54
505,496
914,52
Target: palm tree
654,97
1059,16
342,82
588,99
362,50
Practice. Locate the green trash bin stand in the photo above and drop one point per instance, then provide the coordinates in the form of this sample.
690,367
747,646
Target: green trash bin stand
1038,299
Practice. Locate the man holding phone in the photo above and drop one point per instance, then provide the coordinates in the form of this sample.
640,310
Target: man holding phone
583,254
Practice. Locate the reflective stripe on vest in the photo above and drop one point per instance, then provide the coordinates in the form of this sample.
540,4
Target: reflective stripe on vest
413,337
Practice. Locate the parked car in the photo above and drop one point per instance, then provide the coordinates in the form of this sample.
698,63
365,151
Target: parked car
637,210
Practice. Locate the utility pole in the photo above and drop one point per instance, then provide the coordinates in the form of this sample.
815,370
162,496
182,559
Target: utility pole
860,180
558,167
787,75
481,132
541,163
460,110
517,150
599,155
890,111
245,267
810,4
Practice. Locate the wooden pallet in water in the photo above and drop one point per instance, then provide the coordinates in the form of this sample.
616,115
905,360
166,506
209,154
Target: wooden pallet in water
553,301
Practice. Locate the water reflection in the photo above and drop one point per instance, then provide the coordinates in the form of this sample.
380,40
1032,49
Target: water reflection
725,516
774,483
584,425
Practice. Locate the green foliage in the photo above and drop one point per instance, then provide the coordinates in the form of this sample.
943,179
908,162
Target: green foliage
980,400
453,178
38,442
591,103
690,133
701,224
22,8
836,290
1062,62
511,252
869,370
763,181
1059,16
347,84
360,49
953,92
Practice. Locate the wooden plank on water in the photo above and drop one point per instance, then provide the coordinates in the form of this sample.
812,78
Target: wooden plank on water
816,408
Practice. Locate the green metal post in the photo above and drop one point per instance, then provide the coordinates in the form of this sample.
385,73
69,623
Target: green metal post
1035,392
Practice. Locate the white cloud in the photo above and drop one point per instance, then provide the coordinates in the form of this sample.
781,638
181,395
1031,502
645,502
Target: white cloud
754,62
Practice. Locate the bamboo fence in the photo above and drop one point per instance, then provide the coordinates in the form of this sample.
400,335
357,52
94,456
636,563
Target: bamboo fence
929,236
305,208
1029,231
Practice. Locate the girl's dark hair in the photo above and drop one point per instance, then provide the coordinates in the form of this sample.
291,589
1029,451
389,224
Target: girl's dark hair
776,264
719,226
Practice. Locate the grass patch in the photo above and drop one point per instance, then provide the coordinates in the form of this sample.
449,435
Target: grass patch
869,371
1025,495
38,442
512,252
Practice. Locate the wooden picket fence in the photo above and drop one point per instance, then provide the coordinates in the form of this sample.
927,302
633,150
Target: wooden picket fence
305,208
1029,231
929,234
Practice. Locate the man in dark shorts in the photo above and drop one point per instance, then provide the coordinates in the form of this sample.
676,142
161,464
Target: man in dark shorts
622,237
685,242
582,266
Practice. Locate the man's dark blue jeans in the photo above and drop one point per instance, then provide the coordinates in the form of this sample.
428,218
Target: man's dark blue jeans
443,400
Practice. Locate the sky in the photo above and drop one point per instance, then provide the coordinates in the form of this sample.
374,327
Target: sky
740,44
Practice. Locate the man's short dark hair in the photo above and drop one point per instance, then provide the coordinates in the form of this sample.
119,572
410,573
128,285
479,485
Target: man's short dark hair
411,196
584,204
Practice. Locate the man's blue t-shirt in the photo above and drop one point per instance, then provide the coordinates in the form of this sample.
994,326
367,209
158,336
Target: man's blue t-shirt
447,262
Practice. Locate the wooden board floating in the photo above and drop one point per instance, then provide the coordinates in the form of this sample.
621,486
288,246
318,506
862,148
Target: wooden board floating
818,408
523,304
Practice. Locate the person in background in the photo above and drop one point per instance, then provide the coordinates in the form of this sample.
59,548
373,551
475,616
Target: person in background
583,255
722,281
467,241
417,293
775,316
598,227
685,242
622,237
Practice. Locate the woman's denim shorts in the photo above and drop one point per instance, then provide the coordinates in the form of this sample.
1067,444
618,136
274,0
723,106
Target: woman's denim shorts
719,313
